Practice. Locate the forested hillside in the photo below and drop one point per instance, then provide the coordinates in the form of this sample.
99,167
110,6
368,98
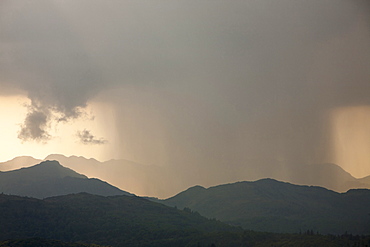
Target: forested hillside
273,206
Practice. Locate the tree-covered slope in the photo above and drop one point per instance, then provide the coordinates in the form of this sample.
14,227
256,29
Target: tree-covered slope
39,242
49,178
270,205
84,220
115,220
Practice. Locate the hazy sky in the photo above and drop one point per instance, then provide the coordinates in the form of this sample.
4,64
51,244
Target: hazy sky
200,85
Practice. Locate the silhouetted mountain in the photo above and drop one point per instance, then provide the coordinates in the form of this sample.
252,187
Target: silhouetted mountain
115,220
49,178
270,205
151,180
127,175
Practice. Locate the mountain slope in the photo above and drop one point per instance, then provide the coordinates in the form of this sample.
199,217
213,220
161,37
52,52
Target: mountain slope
49,178
270,205
115,220
132,222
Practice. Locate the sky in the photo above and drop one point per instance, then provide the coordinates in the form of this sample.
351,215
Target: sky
198,85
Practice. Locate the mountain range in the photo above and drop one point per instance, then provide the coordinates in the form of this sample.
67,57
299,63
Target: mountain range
263,205
49,178
151,180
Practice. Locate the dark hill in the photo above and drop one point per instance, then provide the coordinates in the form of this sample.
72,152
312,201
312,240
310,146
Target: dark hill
115,220
49,178
270,205
81,219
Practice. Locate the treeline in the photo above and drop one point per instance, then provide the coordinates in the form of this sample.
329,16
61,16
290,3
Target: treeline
221,239
260,239
39,242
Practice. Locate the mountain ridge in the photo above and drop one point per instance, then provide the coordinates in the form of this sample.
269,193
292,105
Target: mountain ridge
86,220
113,220
275,206
50,167
151,180
50,178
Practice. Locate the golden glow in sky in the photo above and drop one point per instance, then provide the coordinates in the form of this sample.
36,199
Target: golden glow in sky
99,120
351,138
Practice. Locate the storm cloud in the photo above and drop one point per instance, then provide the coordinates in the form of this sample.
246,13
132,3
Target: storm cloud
193,83
35,125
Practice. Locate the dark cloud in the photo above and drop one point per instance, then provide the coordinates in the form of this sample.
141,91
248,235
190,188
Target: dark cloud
35,125
206,83
42,58
87,138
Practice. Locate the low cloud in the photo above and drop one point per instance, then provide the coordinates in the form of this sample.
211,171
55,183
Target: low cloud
87,138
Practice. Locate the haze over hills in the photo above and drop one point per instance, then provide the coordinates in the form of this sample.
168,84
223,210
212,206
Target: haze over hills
273,206
365,180
327,175
49,178
18,162
127,175
151,180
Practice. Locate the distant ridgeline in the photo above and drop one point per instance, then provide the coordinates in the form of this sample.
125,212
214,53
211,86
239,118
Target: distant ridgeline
161,181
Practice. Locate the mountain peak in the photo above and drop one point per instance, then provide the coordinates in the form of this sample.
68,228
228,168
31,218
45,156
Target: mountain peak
51,168
275,206
49,163
50,178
